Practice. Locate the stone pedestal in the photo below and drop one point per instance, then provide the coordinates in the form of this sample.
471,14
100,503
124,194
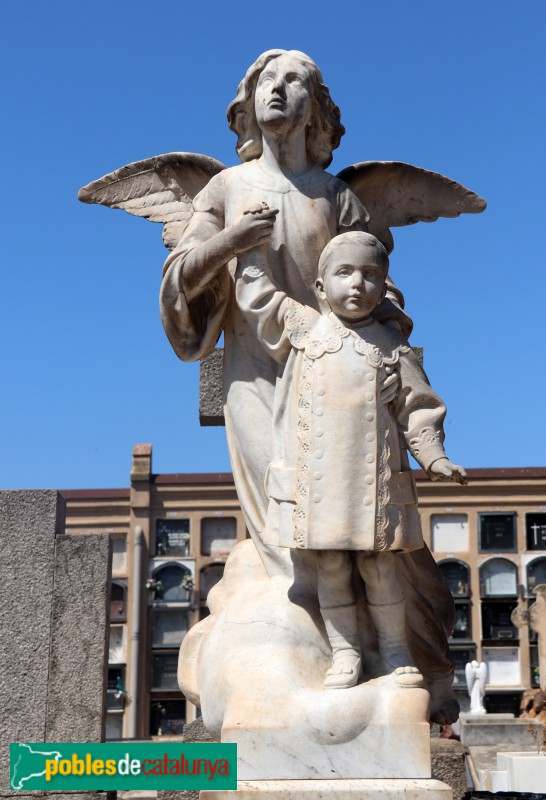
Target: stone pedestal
516,772
389,745
489,730
448,764
335,790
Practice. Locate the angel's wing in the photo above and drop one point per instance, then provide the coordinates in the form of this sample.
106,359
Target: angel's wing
470,676
482,675
160,189
396,194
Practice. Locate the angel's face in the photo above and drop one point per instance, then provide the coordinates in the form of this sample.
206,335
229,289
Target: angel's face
353,281
282,98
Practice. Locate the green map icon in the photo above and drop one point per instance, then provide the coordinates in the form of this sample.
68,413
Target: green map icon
27,765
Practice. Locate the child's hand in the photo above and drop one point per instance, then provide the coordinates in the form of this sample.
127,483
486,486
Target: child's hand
251,228
389,388
444,470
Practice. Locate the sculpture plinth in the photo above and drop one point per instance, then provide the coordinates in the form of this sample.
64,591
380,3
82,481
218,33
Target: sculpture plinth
336,790
270,701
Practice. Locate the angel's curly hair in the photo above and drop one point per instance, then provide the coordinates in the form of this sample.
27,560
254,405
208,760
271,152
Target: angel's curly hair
324,132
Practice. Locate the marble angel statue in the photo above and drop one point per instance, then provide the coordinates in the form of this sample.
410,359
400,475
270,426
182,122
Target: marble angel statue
476,678
280,200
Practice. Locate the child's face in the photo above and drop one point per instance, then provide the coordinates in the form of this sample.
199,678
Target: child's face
353,282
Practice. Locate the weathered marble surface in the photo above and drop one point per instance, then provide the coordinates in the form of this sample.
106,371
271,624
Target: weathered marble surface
272,703
482,759
336,790
517,772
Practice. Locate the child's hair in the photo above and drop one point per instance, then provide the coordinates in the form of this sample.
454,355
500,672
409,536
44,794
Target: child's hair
358,238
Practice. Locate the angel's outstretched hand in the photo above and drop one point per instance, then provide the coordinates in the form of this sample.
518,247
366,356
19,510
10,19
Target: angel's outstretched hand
444,470
251,228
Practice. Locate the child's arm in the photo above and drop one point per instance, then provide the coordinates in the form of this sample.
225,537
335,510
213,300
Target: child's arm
420,414
264,307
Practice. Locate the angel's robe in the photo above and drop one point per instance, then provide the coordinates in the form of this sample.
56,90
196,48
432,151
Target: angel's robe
313,208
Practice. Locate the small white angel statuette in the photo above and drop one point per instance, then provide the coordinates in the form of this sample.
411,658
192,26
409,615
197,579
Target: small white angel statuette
476,678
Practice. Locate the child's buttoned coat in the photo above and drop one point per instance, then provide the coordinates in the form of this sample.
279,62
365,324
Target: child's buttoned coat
339,477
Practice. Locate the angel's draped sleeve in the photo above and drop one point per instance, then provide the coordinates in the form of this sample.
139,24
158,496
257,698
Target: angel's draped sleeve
194,322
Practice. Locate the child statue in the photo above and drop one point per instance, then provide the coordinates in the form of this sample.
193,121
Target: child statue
350,401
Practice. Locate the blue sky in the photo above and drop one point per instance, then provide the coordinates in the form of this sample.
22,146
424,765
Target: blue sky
456,87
